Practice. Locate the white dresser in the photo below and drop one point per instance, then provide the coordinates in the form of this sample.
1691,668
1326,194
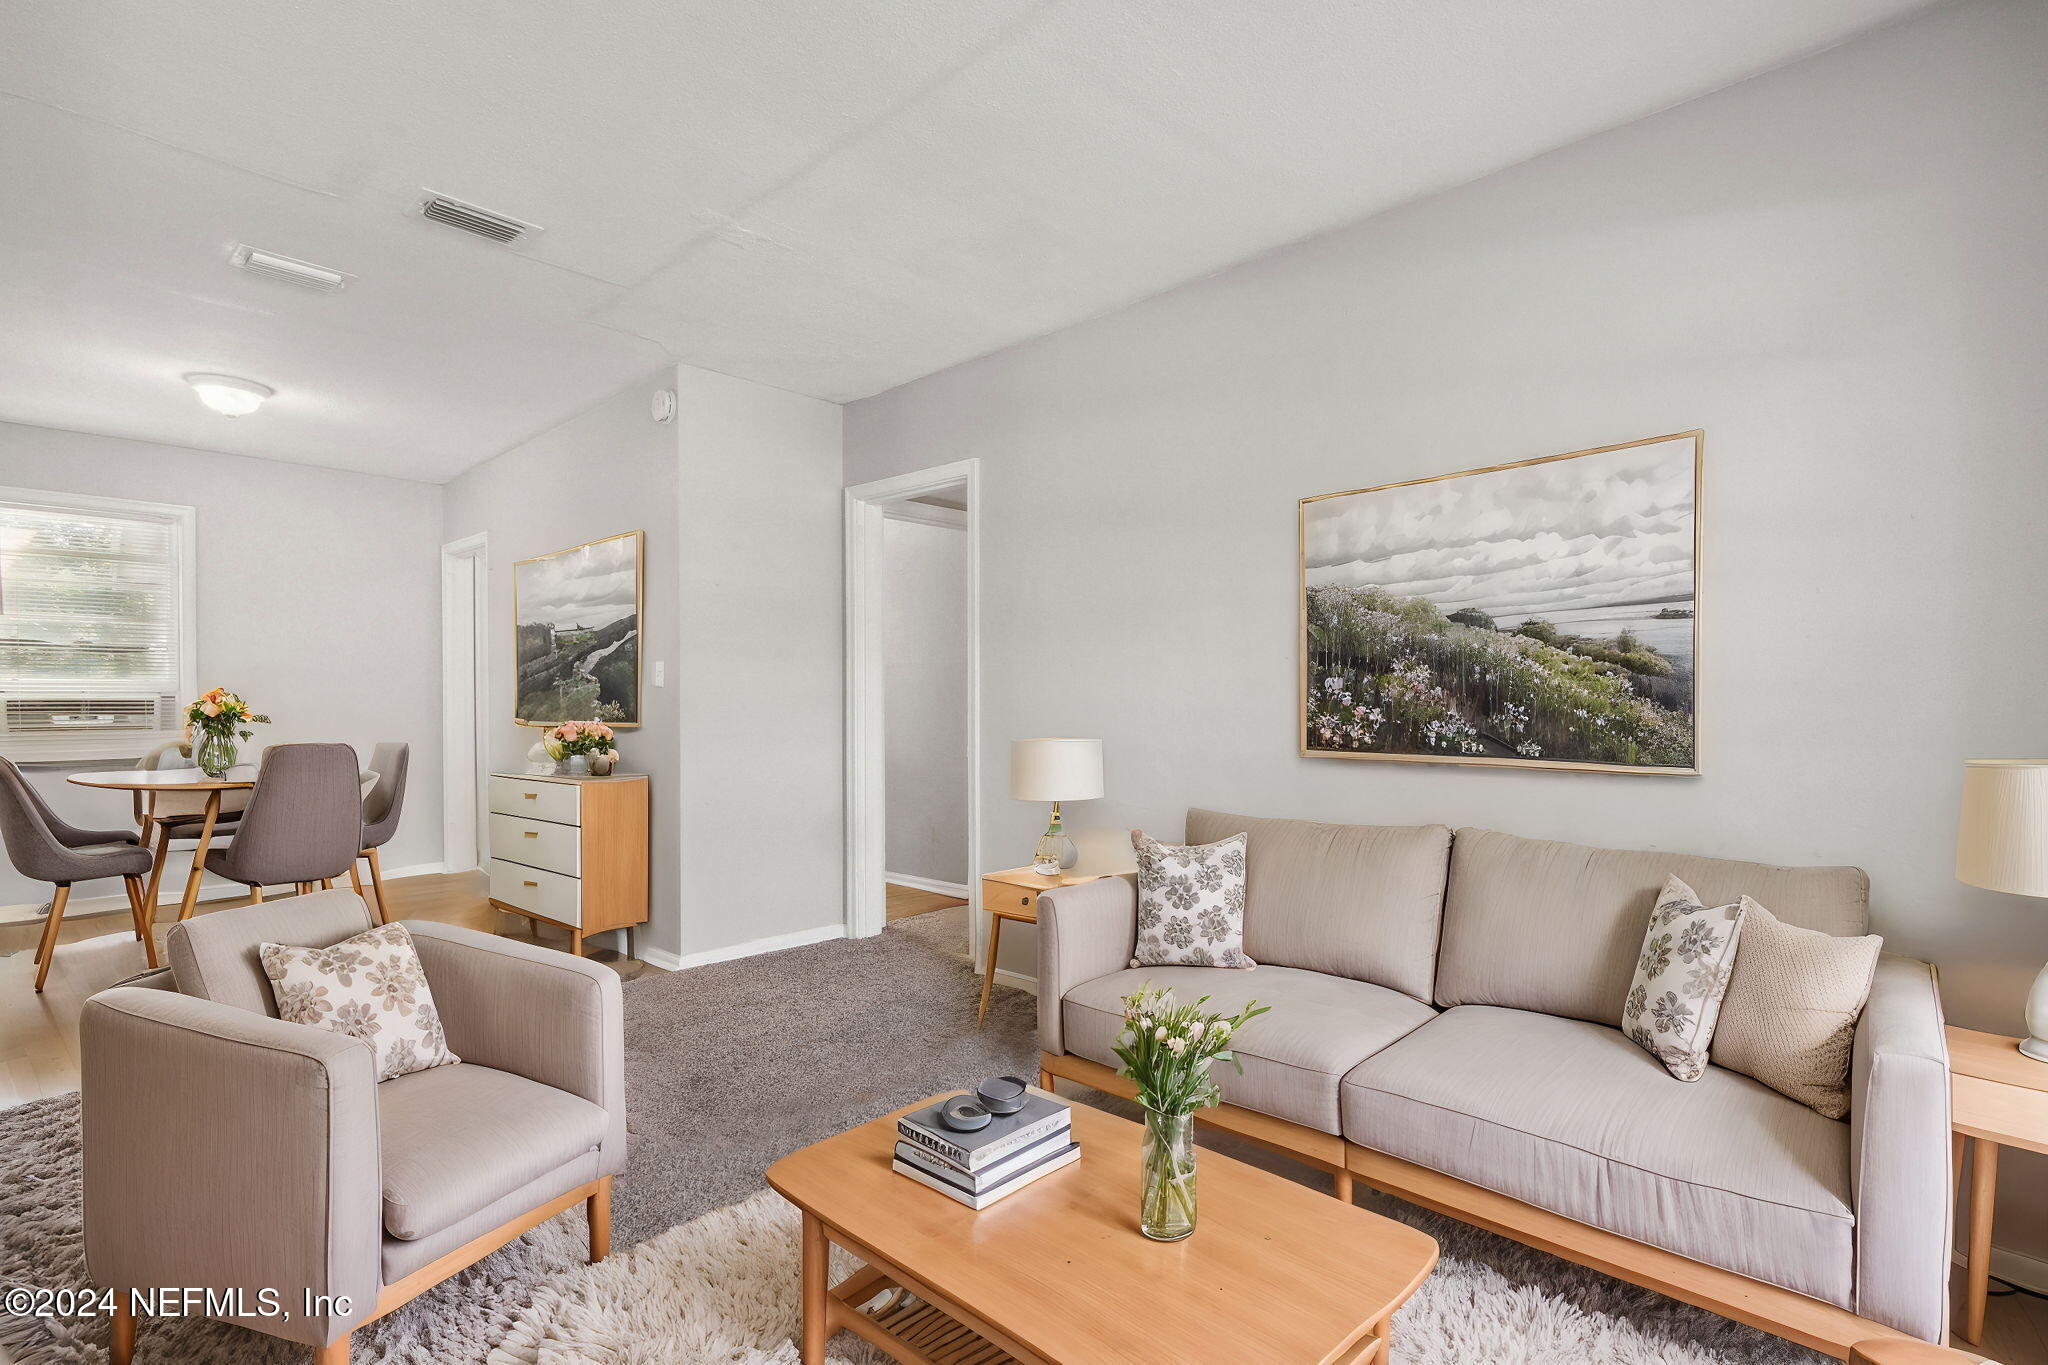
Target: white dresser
571,851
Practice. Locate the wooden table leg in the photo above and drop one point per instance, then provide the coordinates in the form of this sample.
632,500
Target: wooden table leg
817,1262
988,978
191,899
1983,1193
156,871
142,918
377,885
122,1349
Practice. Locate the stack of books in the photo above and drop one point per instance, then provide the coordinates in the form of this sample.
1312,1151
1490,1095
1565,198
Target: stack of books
981,1167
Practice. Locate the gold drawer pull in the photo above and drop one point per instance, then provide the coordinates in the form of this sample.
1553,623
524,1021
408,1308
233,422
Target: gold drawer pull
529,834
529,883
531,796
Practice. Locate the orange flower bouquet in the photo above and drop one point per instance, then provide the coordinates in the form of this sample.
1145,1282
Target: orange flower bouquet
219,717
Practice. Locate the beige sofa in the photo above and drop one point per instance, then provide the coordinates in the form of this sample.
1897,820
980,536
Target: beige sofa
1444,1026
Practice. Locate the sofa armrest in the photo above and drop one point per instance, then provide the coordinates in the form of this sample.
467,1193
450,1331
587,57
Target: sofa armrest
225,1149
1899,1145
546,1015
1084,931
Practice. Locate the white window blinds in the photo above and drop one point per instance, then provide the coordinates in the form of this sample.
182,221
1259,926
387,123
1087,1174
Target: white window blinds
95,625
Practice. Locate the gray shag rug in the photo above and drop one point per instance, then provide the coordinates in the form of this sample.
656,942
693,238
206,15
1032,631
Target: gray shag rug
729,1067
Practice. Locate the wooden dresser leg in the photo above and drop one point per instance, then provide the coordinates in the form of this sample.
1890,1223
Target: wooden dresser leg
333,1353
598,1209
122,1349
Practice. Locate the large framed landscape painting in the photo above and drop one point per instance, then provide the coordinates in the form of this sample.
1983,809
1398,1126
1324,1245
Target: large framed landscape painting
1543,614
577,615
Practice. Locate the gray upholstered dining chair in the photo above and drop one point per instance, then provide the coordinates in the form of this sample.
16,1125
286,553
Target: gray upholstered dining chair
46,848
291,1167
380,815
167,817
303,823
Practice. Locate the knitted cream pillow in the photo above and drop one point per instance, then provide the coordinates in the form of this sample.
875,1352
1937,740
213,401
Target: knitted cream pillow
1789,1019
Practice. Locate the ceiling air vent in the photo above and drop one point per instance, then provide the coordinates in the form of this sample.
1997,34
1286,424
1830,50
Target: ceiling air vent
470,218
272,266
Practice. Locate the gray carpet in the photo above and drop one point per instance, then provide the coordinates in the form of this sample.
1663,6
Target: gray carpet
732,1065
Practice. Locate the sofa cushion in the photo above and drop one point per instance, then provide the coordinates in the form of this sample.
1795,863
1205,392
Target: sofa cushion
1361,901
1321,1026
217,957
1574,1118
458,1137
1536,925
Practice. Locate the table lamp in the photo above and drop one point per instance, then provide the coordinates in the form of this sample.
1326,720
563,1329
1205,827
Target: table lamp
2003,846
1055,770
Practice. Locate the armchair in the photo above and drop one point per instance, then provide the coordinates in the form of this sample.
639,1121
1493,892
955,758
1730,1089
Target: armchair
292,1170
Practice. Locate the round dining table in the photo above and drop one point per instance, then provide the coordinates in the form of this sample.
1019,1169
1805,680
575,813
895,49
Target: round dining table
145,781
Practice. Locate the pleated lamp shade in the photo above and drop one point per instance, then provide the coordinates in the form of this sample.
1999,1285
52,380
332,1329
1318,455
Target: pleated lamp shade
1055,769
2002,844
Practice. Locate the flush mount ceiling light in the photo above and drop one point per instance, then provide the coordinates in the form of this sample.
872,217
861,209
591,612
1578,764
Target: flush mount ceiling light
227,395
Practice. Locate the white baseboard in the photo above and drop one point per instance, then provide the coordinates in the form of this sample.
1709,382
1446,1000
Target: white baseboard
1006,977
927,884
172,892
2014,1267
674,962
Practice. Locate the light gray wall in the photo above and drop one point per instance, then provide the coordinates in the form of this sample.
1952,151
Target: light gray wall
1836,269
610,468
759,683
924,690
318,599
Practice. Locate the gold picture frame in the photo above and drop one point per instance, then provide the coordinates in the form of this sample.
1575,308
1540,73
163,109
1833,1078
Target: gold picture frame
522,694
1308,725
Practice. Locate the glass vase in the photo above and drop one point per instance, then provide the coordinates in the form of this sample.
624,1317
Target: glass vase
1167,1211
579,765
215,754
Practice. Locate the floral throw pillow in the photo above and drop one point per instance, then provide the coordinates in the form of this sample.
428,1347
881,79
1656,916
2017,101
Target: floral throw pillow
1190,903
370,987
1687,961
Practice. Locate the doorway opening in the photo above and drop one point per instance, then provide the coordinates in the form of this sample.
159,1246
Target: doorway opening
465,611
913,701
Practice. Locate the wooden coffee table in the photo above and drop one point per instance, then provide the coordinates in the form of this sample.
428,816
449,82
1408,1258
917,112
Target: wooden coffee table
1058,1273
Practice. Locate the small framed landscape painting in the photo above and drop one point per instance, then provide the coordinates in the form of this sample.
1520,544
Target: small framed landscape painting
1543,614
577,617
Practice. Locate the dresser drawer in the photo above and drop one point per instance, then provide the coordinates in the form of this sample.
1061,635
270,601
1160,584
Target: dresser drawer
557,802
537,891
537,843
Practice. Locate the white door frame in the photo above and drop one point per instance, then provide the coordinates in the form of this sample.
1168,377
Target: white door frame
867,507
465,698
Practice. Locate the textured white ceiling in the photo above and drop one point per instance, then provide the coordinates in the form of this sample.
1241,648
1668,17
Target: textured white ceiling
829,196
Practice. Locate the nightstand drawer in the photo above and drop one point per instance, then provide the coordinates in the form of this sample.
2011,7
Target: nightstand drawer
537,843
537,891
553,801
1012,902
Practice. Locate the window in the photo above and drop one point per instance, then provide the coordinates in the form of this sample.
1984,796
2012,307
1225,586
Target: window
95,625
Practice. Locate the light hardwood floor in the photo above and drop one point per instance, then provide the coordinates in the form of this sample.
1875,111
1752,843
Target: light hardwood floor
39,1033
905,901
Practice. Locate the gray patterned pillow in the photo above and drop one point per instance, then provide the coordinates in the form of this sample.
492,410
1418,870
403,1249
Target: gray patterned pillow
1688,957
1190,903
370,987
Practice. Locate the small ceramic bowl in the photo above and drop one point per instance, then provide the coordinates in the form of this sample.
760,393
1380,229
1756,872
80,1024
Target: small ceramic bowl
1001,1094
963,1115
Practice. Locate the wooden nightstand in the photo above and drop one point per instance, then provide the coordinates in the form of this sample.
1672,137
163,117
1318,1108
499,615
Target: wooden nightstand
1997,1098
1014,895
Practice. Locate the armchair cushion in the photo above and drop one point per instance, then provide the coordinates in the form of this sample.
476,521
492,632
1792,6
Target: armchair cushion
215,957
457,1138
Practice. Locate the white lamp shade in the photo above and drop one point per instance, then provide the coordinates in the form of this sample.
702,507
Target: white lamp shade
2003,841
1055,769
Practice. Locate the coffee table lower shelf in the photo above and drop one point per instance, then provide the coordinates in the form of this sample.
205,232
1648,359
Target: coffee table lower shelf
913,1326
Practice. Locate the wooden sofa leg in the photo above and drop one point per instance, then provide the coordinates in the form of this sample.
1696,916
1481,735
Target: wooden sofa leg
333,1353
1343,1185
122,1349
1045,1079
599,1209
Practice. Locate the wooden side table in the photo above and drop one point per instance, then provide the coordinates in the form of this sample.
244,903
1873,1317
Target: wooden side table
1014,895
1997,1098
